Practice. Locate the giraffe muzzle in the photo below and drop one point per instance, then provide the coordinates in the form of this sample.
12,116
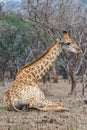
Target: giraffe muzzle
79,51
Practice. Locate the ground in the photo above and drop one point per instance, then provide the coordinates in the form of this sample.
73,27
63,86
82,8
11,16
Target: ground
74,119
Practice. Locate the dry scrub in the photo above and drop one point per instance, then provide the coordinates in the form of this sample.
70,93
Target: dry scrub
75,119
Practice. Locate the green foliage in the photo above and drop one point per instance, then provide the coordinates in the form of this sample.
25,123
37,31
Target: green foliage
13,20
84,1
17,35
2,110
62,55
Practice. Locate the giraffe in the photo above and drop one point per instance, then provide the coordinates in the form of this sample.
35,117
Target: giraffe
25,89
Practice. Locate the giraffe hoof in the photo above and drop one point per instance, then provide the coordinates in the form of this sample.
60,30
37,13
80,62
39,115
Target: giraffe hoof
59,103
85,100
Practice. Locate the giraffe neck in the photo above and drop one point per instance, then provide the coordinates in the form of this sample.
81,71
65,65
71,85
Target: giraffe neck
41,65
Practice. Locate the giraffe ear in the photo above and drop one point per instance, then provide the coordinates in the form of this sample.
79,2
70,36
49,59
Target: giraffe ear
65,32
66,36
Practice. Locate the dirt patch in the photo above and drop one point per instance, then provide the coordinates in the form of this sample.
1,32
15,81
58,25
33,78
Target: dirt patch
75,119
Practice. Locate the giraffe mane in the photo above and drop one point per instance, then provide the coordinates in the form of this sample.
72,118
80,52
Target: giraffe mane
37,59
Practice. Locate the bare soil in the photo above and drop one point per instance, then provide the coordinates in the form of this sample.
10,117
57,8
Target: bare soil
74,119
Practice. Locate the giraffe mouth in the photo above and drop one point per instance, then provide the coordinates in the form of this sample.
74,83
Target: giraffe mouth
79,51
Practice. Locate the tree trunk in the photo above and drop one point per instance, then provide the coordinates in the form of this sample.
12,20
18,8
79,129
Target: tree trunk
54,73
73,83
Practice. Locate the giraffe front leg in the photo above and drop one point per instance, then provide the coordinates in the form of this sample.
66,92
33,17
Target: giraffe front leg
40,102
53,109
47,105
51,103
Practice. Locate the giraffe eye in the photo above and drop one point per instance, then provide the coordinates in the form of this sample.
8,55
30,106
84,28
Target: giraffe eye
68,43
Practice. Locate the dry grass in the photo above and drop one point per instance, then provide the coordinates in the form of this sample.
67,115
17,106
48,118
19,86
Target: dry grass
75,119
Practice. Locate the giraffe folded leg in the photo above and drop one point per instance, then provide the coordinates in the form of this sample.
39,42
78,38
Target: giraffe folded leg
16,109
52,106
53,109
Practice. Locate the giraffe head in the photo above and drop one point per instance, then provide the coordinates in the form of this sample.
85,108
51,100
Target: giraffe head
69,45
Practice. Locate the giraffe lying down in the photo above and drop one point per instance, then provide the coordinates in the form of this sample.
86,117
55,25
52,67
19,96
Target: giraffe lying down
25,90
18,97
